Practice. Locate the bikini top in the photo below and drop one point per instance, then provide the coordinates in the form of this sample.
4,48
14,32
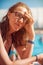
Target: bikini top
14,52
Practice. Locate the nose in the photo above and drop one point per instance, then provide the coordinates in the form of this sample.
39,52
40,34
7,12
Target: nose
16,19
21,20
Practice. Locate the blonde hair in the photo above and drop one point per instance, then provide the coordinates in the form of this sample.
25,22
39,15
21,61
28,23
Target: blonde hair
11,9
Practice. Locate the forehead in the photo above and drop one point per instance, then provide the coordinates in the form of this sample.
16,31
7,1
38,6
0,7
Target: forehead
21,9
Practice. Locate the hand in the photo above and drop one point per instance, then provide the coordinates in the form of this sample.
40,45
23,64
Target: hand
40,58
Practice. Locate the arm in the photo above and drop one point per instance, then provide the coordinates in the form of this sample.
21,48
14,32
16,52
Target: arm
6,59
18,62
4,54
31,35
40,58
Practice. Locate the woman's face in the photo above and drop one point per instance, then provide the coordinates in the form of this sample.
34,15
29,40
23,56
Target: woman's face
17,19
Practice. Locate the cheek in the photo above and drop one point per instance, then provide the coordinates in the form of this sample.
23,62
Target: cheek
12,21
12,18
11,24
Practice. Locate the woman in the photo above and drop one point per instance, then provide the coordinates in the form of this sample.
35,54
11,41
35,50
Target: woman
18,33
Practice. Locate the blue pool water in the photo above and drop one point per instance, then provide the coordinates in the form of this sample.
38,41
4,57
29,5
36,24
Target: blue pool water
38,44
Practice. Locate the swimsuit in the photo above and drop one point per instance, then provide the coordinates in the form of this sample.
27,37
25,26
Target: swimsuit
14,52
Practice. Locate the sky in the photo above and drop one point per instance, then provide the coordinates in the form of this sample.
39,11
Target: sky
5,4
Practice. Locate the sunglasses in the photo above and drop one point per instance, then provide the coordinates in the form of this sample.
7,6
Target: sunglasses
20,15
